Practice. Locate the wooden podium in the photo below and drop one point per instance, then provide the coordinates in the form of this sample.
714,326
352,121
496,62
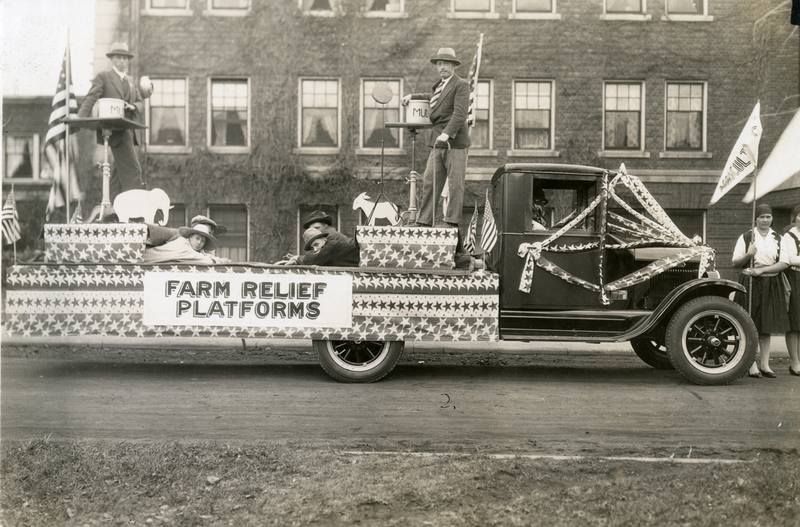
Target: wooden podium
107,125
413,129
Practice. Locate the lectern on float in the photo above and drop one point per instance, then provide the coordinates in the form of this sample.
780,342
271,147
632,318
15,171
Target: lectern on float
107,125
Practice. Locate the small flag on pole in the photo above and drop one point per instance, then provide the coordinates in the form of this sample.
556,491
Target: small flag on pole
11,230
489,229
77,216
469,243
472,78
744,156
64,106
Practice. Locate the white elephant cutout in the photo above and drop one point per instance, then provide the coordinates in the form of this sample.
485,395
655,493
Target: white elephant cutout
139,203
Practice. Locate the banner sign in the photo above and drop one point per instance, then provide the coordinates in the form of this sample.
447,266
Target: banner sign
248,300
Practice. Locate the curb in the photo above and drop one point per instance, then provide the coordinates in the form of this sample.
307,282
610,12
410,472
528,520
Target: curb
504,347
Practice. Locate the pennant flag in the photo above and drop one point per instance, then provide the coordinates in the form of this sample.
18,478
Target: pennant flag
472,78
744,156
783,162
64,105
469,242
489,229
11,230
77,216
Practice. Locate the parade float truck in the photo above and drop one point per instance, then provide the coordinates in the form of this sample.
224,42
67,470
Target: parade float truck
609,267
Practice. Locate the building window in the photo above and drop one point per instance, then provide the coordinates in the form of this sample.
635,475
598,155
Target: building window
481,134
318,6
229,113
534,6
303,212
392,6
230,4
624,6
623,116
685,122
177,216
375,115
233,244
533,104
169,4
686,7
167,113
319,113
472,5
691,222
22,156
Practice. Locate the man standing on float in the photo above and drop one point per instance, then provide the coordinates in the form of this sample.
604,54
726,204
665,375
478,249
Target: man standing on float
449,142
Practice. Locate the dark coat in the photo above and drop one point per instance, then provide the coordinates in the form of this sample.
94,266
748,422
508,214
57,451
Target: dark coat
338,251
449,115
108,85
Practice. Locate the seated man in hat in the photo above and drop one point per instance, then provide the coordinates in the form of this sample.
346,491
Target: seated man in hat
191,244
338,250
117,84
537,216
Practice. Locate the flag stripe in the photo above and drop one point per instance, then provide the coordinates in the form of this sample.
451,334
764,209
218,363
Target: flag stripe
469,243
489,230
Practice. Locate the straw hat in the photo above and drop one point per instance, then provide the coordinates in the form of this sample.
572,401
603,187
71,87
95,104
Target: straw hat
119,48
205,227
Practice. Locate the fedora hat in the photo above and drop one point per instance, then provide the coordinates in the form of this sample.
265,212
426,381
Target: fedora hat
447,54
312,234
204,230
316,216
119,48
216,230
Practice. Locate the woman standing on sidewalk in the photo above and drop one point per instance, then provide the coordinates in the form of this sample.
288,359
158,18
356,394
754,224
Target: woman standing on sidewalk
791,241
762,257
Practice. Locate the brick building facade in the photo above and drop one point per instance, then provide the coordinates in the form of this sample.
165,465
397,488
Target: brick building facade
262,109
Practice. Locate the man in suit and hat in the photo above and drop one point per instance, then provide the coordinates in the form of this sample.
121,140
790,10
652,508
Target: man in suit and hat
117,84
338,251
449,142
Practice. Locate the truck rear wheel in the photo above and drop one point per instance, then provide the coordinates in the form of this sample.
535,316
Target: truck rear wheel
711,341
652,352
350,361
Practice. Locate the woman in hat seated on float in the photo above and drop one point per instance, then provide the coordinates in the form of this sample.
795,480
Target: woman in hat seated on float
193,244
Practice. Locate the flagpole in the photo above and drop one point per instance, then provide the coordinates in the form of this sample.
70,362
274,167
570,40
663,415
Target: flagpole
68,82
15,241
752,230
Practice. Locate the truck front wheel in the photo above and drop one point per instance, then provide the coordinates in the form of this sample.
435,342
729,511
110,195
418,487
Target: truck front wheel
711,341
350,361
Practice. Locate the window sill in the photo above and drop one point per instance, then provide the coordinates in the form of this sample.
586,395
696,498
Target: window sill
27,182
229,149
687,18
533,153
534,16
226,12
685,155
622,154
377,151
316,151
164,149
384,14
167,12
636,17
482,152
473,15
323,14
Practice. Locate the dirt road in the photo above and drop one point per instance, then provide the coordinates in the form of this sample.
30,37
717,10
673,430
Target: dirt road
449,401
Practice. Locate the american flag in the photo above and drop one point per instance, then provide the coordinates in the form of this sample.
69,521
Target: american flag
11,231
64,106
472,78
77,216
469,243
489,230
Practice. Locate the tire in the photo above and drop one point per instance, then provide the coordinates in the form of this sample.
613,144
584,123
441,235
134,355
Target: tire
653,353
711,341
349,361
